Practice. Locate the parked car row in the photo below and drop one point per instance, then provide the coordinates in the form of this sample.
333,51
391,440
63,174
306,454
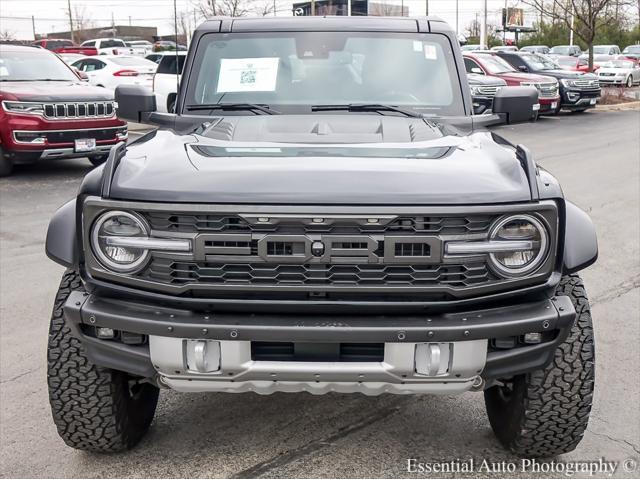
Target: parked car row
631,51
558,88
97,46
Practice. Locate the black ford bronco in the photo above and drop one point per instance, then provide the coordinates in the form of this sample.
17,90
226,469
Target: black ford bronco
322,213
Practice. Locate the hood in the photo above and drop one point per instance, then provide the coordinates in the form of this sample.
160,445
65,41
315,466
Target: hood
484,80
614,70
53,91
526,77
567,74
321,159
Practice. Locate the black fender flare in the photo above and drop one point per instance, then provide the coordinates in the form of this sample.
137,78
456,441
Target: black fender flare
60,244
580,240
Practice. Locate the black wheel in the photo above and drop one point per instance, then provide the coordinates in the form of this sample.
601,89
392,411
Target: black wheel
6,164
546,412
98,160
94,409
629,81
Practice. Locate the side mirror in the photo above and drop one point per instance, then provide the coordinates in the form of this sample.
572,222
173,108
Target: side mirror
516,104
135,103
82,75
477,70
523,68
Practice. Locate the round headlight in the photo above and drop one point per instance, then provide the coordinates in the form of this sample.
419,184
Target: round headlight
111,227
520,228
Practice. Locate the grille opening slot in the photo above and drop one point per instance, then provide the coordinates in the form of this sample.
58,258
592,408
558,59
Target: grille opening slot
412,249
284,248
317,352
350,245
60,110
227,244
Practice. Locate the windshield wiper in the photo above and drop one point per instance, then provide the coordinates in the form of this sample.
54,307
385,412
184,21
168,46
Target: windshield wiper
32,79
234,106
374,107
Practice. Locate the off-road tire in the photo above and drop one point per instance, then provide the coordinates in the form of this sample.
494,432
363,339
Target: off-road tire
98,160
6,165
545,413
94,409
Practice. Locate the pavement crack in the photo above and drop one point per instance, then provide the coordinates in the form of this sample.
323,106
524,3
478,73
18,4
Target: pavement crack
293,455
617,291
619,441
14,378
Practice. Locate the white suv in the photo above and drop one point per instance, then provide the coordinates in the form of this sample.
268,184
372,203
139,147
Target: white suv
164,81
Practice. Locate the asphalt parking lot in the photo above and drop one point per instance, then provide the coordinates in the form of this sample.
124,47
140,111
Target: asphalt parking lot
597,159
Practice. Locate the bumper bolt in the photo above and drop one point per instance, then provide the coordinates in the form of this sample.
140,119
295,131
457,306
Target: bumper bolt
430,334
466,333
92,319
170,329
401,335
545,324
234,334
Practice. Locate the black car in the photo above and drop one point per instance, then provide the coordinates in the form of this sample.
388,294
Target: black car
483,89
578,91
322,213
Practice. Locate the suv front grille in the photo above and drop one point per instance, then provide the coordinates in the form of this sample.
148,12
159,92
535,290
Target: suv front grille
488,90
79,110
587,84
548,90
302,253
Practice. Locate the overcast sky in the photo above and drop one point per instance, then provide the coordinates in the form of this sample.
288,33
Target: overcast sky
51,15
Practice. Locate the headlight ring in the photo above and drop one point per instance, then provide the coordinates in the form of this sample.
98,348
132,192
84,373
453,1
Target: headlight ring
119,224
530,259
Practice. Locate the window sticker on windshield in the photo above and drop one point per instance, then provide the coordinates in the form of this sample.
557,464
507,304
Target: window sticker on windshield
430,52
247,74
417,46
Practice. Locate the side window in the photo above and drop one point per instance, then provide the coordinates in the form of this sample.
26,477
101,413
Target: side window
582,62
80,65
90,43
93,65
469,65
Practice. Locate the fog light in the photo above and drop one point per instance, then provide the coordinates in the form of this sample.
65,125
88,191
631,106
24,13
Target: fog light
533,338
105,333
432,359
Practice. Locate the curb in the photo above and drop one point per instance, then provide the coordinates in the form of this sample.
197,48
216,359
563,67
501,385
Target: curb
630,105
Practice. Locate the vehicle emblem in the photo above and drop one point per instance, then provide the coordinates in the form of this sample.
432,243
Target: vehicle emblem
317,248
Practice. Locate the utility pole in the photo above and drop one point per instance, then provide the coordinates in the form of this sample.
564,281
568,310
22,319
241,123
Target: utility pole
313,7
483,26
427,7
70,20
274,8
33,26
113,27
129,20
504,23
571,29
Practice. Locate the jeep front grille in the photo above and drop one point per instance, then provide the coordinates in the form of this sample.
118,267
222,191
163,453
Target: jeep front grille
79,110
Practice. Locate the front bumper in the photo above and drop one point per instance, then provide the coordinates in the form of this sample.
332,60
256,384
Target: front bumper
469,337
548,105
573,98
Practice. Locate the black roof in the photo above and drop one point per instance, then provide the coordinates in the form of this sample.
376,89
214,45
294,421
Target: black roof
335,23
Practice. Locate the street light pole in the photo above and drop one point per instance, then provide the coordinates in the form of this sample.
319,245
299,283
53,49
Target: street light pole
457,22
483,27
427,6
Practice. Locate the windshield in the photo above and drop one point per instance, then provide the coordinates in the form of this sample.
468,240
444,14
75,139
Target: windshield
632,49
495,65
293,71
601,50
567,61
539,62
33,65
561,50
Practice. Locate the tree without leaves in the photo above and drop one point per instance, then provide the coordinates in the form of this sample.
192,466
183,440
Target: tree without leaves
227,8
589,16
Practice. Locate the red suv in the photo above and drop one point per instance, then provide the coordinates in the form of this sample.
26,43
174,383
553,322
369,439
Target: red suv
47,112
486,63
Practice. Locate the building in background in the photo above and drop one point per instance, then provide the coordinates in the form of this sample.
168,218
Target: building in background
358,8
124,32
